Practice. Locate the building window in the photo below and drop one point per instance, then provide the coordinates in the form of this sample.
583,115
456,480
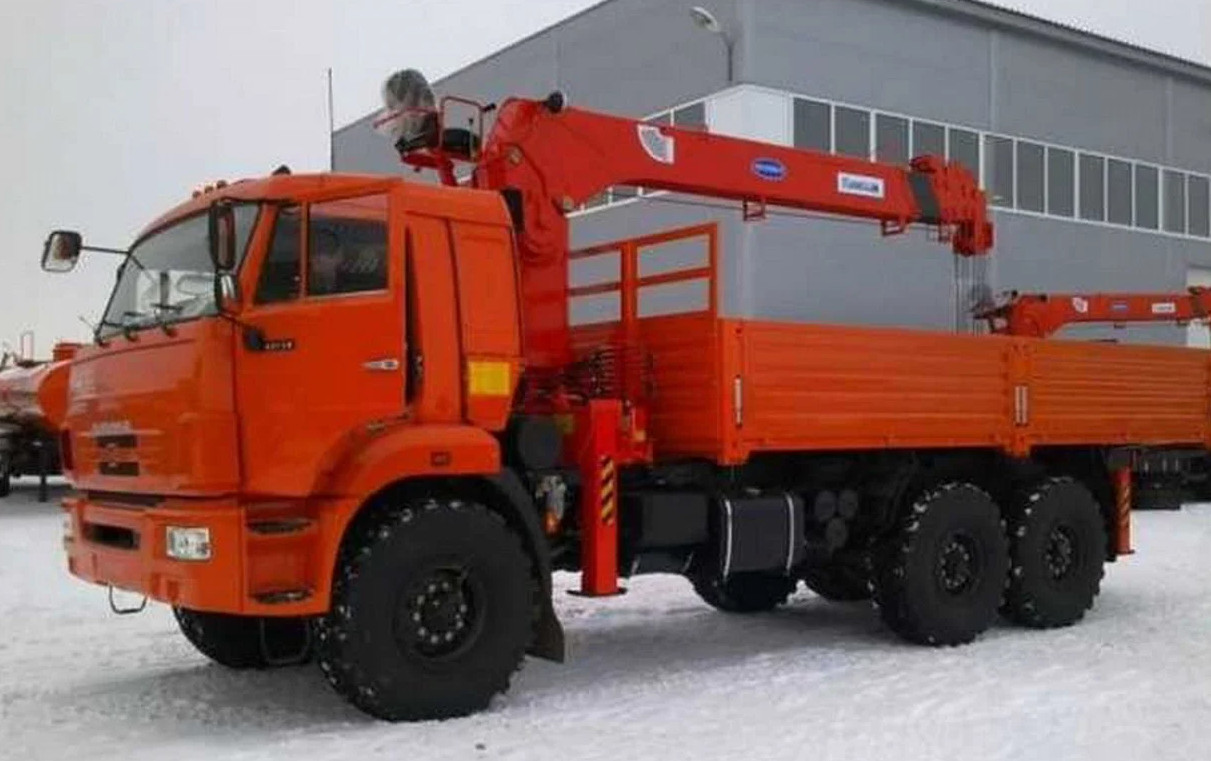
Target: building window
1093,188
597,199
622,192
813,125
853,132
692,116
998,170
928,139
1118,192
891,139
665,118
1030,177
1147,197
1175,202
1061,182
1200,207
965,149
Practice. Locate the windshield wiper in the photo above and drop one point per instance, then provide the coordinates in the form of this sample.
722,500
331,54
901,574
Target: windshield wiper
156,314
158,311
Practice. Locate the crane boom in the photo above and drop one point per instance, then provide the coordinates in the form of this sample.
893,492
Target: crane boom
1040,315
548,159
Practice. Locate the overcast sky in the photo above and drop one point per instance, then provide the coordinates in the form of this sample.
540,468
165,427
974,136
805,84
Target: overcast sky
114,111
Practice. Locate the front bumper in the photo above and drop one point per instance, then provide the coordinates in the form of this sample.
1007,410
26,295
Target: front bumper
250,572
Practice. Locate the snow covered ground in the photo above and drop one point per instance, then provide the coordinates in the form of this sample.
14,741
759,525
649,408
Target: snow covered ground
653,674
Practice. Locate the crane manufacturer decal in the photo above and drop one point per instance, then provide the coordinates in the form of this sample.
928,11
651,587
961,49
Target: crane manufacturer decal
769,169
861,185
655,143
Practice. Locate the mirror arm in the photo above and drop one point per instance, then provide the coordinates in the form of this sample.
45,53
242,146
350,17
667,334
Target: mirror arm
105,250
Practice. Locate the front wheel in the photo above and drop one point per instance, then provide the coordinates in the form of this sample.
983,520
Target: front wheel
432,608
246,642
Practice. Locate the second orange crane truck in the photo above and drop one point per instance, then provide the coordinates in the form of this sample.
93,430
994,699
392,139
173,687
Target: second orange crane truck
347,417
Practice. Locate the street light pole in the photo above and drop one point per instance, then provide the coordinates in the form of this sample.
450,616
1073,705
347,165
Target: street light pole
706,20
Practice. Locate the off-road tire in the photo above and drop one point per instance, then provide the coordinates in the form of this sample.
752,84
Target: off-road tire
238,642
839,582
940,577
1057,545
373,645
752,592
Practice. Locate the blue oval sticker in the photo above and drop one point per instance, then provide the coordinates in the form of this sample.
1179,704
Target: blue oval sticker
769,169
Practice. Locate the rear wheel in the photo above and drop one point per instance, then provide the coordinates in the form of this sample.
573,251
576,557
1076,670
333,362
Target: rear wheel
840,582
246,642
938,580
432,608
743,592
1057,547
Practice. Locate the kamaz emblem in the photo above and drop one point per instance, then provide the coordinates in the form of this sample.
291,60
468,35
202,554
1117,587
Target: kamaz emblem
769,169
861,185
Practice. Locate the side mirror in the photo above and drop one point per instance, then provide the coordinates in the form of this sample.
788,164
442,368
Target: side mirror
222,236
61,251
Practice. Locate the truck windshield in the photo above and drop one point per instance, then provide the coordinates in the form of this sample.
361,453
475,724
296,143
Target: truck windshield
168,276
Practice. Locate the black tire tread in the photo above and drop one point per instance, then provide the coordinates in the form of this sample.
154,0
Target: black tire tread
1021,603
235,641
337,628
889,578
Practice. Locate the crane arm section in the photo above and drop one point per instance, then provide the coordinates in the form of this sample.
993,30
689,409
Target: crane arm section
1042,315
561,157
548,159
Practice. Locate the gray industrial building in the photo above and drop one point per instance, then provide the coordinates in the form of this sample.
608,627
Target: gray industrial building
1096,154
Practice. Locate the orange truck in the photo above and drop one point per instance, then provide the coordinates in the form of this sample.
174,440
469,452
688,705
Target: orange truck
33,400
347,418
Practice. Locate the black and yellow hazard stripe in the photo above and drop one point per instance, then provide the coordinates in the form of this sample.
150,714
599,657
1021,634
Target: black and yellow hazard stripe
609,491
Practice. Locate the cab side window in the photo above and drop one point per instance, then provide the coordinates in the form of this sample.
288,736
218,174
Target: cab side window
347,246
281,274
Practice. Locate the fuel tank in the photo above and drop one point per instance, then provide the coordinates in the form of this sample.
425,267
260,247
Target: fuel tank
35,393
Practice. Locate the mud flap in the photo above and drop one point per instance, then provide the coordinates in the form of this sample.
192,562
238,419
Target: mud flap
548,641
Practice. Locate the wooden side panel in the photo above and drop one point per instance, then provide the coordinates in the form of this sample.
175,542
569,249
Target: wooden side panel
1082,393
817,387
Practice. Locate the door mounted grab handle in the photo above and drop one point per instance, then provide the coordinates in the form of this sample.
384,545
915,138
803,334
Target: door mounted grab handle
389,365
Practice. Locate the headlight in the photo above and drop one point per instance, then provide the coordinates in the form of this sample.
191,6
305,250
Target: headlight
188,543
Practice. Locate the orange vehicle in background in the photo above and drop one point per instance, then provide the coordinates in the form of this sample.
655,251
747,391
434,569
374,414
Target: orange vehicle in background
33,402
348,418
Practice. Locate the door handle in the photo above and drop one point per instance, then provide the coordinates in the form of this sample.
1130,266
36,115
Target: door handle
388,365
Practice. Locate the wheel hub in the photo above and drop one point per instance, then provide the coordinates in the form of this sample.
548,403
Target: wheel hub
438,613
958,566
1060,553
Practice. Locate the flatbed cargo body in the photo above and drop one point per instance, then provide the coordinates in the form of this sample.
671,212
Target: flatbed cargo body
724,389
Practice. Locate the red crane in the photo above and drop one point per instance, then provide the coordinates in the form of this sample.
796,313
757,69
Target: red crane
549,158
1040,315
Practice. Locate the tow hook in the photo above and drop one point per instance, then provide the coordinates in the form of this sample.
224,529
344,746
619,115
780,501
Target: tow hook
125,611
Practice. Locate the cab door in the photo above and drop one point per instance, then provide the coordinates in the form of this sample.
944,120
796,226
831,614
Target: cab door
322,357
